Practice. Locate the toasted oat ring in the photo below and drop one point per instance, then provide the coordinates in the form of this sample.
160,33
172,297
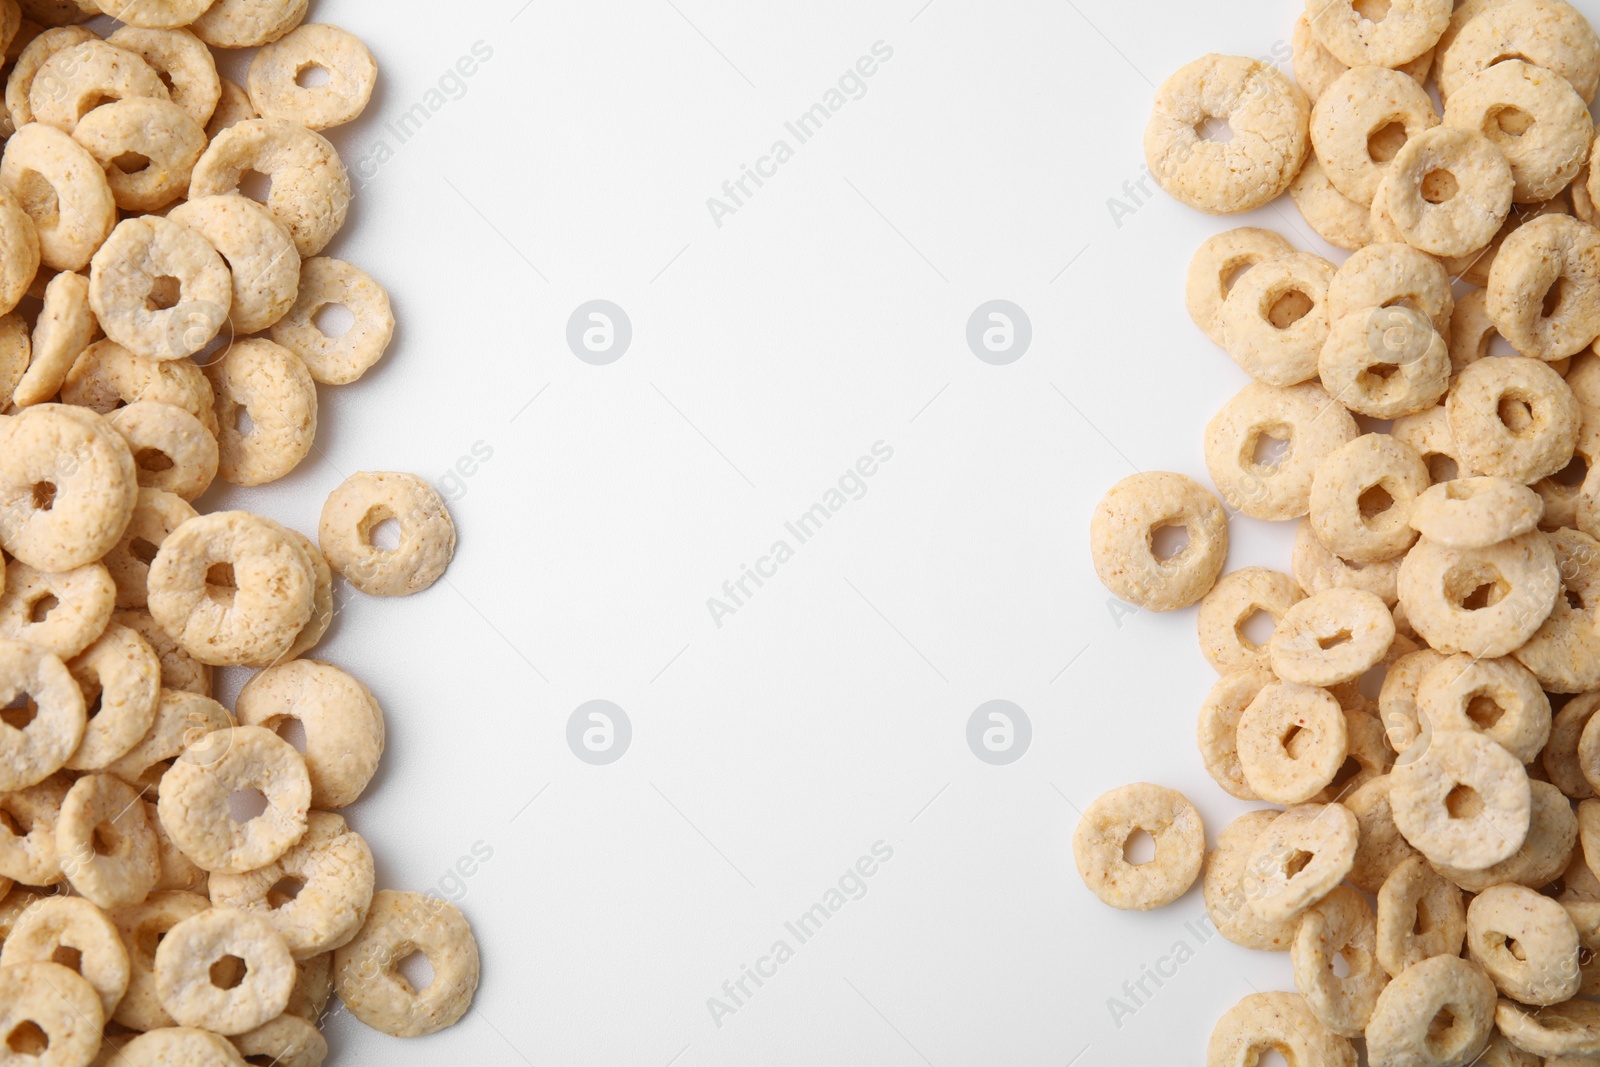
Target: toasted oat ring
76,925
1219,725
1407,30
1122,535
1464,802
161,139
1544,970
1553,833
173,450
1428,433
313,987
1388,274
1218,264
1317,569
71,608
1380,848
1402,1026
153,263
1420,915
107,848
337,360
184,63
1292,740
187,980
177,872
1560,756
1280,1022
333,866
57,1003
1137,505
1449,191
1316,68
64,329
1359,124
310,186
1339,925
1310,424
342,721
1476,512
322,608
19,254
260,254
256,619
175,1045
273,80
1362,496
1227,894
1565,652
248,23
63,190
86,75
155,14
156,515
1514,418
108,376
1267,113
1275,318
273,386
1498,697
142,927
1331,637
33,56
179,670
1168,817
1299,858
30,856
1562,493
183,725
196,789
121,679
1534,116
1570,1029
1544,287
1474,267
233,107
1587,753
1237,598
1546,33
1335,217
287,1041
365,975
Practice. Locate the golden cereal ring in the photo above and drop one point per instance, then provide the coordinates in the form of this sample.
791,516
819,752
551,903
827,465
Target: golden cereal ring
179,670
148,149
1339,925
313,987
32,57
1534,116
1318,570
1465,801
108,376
1449,191
1299,858
1570,1029
1391,273
146,280
184,63
260,255
156,515
63,190
1564,654
1267,113
1419,915
1380,847
322,607
1560,756
365,974
1476,512
173,450
1438,1011
195,792
310,186
142,926
1227,894
1098,843
1219,726
121,680
1587,754
1135,507
337,360
250,615
1384,362
15,351
287,1041
274,86
62,614
19,253
1486,601
64,330
1275,1022
1514,418
176,1046
53,1006
1292,740
1335,217
76,925
1238,440
1545,853
155,14
1429,435
86,75
272,385
1362,497
185,981
1275,318
233,107
342,721
1498,697
1544,287
333,867
1331,637
30,857
1218,264
1367,756
1361,122
248,23
1237,598
1406,30
184,723
107,848
1546,33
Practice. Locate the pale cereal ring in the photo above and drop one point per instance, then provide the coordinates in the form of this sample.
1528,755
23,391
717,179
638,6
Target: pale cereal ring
1449,191
260,254
248,23
1318,570
1474,267
1464,12
32,57
29,855
54,1014
1391,273
121,682
1560,756
287,1041
1316,68
1420,915
184,723
173,450
1546,33
1534,116
1562,492
144,280
1367,755
1275,318
313,987
1476,512
1267,113
61,614
1544,287
1384,231
177,871
342,721
310,186
142,926
15,351
58,928
195,792
155,14
1275,1022
1362,496
176,1046
1236,599
63,190
341,359
19,251
231,588
233,107
1428,433
86,75
1331,637
1335,217
322,606
365,972
1299,858
274,77
1570,1029
186,975
64,330
272,385
1380,848
1339,925
1227,894
179,670
1384,362
183,62
156,515
1545,853
1407,29
1361,122
1565,652
1514,418
1292,740
1436,1012
332,866
1465,801
148,149
108,850
1098,843
1498,697
1301,419
1219,725
1218,264
108,376
1122,532
1526,942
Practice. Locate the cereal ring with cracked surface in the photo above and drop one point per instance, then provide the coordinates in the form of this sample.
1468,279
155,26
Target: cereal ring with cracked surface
1544,854
108,376
1564,654
1449,191
1526,942
194,804
1299,858
1514,418
1547,33
155,14
1292,740
157,140
276,70
1380,848
1122,537
1532,115
33,56
1420,914
121,680
337,360
1560,756
19,250
1498,697
287,1041
1406,30
248,23
59,927
63,190
1384,362
183,725
1390,273
270,384
1267,113
1236,600
366,976
1218,264
310,187
1362,496
182,61
1240,440
1318,569
85,76
1429,434
62,614
29,855
1331,637
173,450
107,848
1476,512
1098,843
146,278
142,926
1339,926
1464,802
260,255
1360,123
156,515
1486,601
1437,1011
64,329
1570,1029
179,670
322,607
52,1012
1219,726
233,107
342,721
1275,318
1275,1022
1544,288
1227,894
185,960
1336,218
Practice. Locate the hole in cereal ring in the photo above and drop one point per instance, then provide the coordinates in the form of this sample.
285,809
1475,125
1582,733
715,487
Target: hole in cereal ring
1463,802
333,320
242,422
1168,541
1380,371
165,292
89,103
1275,1056
1266,448
1572,475
1255,629
1372,10
1424,920
1574,599
40,609
1439,185
131,162
1290,735
142,550
312,75
1214,129
220,584
1234,270
1507,57
1516,415
228,972
44,495
28,1038
1484,711
1297,862
1289,309
293,731
1374,502
1506,123
417,971
1483,596
38,198
104,840
385,536
1139,848
1441,1029
1554,296
255,185
1339,965
1386,141
153,460
262,1059
1334,640
1515,949
92,704
246,804
283,891
19,712
68,957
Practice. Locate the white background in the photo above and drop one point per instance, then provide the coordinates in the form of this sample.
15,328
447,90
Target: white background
768,354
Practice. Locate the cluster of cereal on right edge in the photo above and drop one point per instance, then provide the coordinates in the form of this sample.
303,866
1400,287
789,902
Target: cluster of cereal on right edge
1423,713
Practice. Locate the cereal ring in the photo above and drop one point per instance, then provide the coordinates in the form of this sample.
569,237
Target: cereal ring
16,349
1098,844
195,793
1486,601
1236,599
322,608
1406,30
1122,534
271,386
179,670
1299,858
19,251
342,721
1240,440
1544,287
259,252
177,872
108,376
1367,756
1292,740
332,866
310,186
1380,848
1465,801
172,1046
121,682
183,62
1219,726
1545,33
1564,654
1514,418
313,987
1449,191
1560,756
154,518
62,614
1385,362
59,928
1570,1029
366,976
155,14
1498,697
148,149
145,280
1267,114
1340,925
50,1014
248,23
233,107
1587,754
231,588
1387,274
1362,496
1419,915
274,78
288,1041
1335,217
1217,265
192,988
29,856
1476,512
1437,1011
173,450
1275,318
1562,492
1474,267
1331,637
1318,570
1545,853
1500,1052
64,330
1315,68
1534,116
1429,435
1275,1022
1227,895
108,851
86,75
30,59
1361,122
337,360
142,926
63,190
184,723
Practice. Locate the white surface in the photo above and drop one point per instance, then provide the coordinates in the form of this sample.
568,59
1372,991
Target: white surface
830,712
